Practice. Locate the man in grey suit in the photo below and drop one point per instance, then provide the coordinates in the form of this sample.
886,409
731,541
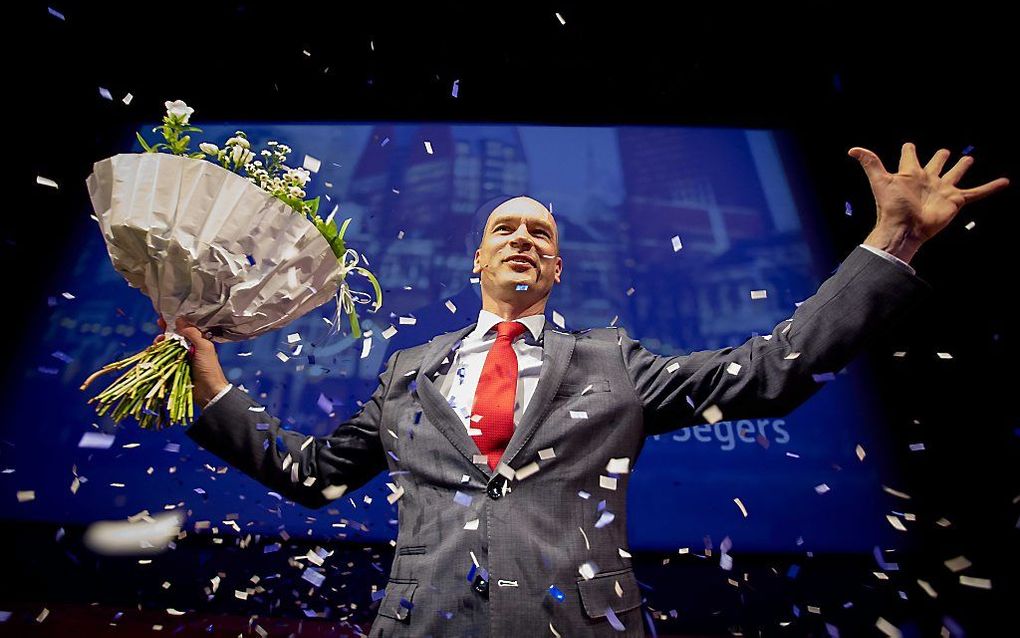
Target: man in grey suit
489,438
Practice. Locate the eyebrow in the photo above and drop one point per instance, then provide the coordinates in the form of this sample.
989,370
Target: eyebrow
509,218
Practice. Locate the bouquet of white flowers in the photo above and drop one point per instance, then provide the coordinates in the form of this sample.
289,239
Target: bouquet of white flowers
238,255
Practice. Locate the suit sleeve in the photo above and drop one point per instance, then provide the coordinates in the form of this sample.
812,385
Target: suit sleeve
771,375
306,469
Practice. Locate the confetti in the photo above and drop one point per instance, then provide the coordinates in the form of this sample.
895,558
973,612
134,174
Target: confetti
127,99
471,525
917,447
389,332
676,243
733,368
395,496
460,498
849,209
26,495
282,357
613,620
578,414
607,482
743,510
630,291
546,454
927,588
944,355
96,440
366,347
895,522
56,14
451,306
822,488
896,493
605,519
45,181
311,164
314,577
673,367
294,337
968,150
428,147
105,93
958,564
823,377
981,583
456,87
522,286
618,466
888,628
758,294
555,592
560,18
558,319
526,471
623,553
712,414
791,356
587,570
408,321
145,535
333,492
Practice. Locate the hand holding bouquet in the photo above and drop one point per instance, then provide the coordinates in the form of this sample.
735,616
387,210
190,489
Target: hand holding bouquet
230,245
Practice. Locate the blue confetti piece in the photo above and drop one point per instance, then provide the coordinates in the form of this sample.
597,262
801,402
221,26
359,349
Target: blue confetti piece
522,286
56,14
172,447
310,613
968,150
601,506
314,577
825,376
456,87
385,142
417,419
792,572
378,594
651,625
412,386
262,427
606,518
406,604
265,444
324,403
48,370
471,573
849,209
199,490
460,498
118,615
51,301
613,620
63,357
269,549
556,593
796,611
446,614
280,445
251,260
392,455
148,411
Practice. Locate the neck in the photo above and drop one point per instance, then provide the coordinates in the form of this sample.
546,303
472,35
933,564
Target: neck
509,311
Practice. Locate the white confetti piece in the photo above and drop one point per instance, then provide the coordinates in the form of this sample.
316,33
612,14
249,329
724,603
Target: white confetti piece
944,355
46,181
586,388
630,291
888,628
673,367
257,408
526,471
282,357
145,535
389,332
96,440
308,482
927,588
896,493
980,583
623,553
560,18
578,414
408,321
26,495
958,564
900,354
127,99
676,243
970,225
558,320
607,482
294,337
791,356
895,522
243,595
822,488
451,306
42,615
311,164
366,347
618,466
479,459
333,492
743,510
397,493
546,454
587,570
472,524
428,147
733,368
759,294
917,447
712,414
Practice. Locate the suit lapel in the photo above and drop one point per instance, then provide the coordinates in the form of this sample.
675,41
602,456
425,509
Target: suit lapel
557,350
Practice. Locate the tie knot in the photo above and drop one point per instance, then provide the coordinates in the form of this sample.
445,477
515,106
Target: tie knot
511,329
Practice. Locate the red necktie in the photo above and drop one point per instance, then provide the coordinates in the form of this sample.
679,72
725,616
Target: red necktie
497,389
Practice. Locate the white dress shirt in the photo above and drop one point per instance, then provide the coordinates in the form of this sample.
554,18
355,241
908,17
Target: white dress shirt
458,386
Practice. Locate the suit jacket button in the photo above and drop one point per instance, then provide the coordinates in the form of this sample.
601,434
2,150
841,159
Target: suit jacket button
495,491
481,586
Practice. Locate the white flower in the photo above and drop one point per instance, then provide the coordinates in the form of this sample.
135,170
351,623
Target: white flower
179,109
239,141
209,149
240,155
299,176
294,191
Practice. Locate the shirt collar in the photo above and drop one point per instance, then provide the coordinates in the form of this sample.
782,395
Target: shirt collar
486,320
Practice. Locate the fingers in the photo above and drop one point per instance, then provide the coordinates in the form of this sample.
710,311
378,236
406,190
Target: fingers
954,174
980,192
908,159
870,162
161,323
937,161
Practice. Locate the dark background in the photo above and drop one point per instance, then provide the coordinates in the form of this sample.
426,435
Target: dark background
837,77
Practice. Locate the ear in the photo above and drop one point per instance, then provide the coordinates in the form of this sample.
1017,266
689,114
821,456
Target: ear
559,268
477,266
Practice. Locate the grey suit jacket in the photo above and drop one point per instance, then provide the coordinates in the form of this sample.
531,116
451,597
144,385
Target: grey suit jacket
532,530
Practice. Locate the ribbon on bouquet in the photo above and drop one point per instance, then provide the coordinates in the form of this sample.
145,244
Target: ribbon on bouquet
346,297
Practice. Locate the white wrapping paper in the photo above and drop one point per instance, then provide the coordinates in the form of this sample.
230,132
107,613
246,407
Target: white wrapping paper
181,231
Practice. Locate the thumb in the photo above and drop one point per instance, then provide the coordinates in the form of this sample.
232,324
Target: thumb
195,338
869,161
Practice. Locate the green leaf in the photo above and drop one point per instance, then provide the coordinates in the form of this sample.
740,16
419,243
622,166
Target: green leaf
315,206
343,229
148,149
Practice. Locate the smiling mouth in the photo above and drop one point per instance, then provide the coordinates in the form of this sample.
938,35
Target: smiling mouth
519,260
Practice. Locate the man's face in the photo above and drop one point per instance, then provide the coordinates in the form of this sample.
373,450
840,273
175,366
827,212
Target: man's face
520,245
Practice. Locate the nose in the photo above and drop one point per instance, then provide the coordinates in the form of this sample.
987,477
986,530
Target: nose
521,237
